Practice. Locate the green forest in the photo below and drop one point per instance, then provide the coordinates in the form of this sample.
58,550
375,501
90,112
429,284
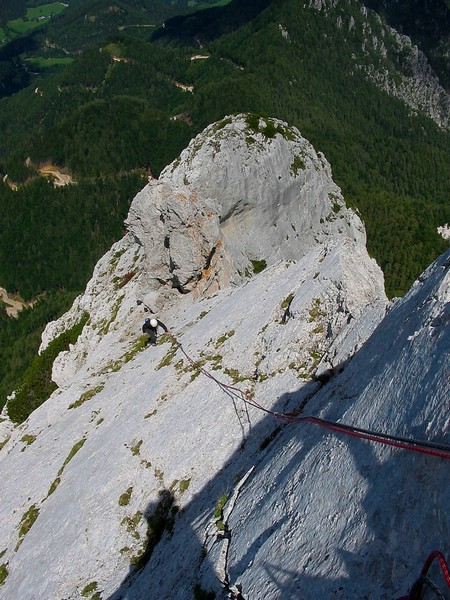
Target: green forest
52,237
117,110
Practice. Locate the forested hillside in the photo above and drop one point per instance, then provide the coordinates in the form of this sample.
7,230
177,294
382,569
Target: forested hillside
41,37
121,106
52,236
131,103
426,23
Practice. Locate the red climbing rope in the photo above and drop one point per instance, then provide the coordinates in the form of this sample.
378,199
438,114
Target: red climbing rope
442,563
423,581
422,446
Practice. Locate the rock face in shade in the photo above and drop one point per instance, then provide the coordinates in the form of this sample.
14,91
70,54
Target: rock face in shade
131,433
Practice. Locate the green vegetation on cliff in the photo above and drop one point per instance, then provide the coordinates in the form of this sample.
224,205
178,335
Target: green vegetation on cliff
20,338
128,104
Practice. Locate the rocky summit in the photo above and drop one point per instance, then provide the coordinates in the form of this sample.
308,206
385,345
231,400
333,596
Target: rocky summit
184,470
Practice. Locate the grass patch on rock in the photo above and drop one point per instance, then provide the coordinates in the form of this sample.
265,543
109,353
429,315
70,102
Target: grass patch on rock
76,448
258,265
87,395
124,498
3,573
53,486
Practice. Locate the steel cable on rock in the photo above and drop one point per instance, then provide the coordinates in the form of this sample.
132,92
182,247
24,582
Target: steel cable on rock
442,563
417,589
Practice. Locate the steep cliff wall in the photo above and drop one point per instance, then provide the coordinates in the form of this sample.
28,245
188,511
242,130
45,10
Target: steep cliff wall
144,476
389,58
245,194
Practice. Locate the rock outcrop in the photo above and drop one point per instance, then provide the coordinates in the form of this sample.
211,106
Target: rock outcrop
389,58
245,194
143,475
334,517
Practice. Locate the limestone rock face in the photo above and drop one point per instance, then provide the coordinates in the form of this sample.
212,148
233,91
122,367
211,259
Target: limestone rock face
179,234
131,433
245,194
320,504
273,194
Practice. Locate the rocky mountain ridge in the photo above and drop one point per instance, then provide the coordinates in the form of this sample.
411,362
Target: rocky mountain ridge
136,442
198,227
391,59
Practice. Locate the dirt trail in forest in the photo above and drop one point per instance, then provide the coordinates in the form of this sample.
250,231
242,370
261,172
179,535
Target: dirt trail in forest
13,305
59,178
